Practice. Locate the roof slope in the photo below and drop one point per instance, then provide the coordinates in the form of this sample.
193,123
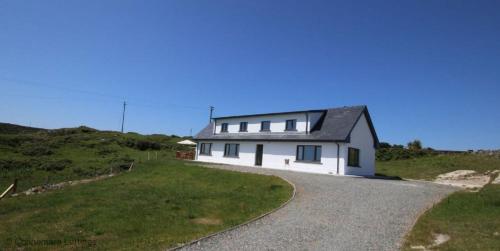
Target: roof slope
335,125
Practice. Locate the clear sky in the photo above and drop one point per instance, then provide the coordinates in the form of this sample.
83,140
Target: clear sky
426,69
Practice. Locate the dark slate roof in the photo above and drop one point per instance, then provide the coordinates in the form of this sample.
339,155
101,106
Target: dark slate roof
335,125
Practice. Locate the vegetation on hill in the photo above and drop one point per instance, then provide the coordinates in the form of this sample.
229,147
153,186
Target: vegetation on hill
6,128
387,151
469,219
156,206
416,162
38,156
429,167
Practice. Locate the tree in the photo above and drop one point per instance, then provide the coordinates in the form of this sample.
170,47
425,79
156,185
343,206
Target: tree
384,145
415,145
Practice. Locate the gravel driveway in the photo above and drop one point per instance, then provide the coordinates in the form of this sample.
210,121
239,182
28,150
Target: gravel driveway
333,213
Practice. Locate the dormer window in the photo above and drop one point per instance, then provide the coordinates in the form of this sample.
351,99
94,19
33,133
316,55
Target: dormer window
223,127
243,126
265,126
290,125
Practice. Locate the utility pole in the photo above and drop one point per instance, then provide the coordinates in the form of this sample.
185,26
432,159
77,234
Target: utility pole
123,115
211,113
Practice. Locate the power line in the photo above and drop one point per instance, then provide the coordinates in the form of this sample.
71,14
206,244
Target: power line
36,83
134,103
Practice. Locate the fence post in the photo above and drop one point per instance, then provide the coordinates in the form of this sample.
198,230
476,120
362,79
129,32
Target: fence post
14,188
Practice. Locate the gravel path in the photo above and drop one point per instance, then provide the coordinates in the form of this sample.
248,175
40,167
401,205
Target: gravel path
333,213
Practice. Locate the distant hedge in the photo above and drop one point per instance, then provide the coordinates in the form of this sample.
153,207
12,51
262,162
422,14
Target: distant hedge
402,153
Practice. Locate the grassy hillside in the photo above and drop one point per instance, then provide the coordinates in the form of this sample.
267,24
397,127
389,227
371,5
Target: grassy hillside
469,219
37,156
158,205
6,128
427,168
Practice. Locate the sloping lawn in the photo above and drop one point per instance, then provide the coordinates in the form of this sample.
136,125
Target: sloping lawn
158,205
472,220
428,168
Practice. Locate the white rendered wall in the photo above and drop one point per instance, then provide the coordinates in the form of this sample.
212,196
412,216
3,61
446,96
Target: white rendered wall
274,156
277,123
362,139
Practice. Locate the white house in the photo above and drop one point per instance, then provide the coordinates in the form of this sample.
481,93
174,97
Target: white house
331,141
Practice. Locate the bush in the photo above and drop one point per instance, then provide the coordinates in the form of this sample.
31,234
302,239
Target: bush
141,144
392,153
36,150
103,151
11,164
83,172
144,145
57,165
122,163
415,145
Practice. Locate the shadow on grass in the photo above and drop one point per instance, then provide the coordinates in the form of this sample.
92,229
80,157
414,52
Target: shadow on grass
380,176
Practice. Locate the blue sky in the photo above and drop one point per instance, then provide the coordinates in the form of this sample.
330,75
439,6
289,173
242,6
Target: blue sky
426,69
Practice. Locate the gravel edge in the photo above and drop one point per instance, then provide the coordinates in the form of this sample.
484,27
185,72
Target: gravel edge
244,223
436,201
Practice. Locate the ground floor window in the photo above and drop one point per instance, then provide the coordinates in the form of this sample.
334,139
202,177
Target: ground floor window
231,150
353,157
308,153
206,149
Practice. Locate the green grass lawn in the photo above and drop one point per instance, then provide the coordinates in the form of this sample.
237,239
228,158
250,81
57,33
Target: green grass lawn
472,220
158,205
428,168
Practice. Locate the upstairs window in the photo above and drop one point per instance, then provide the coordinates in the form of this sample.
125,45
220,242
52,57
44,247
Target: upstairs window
308,153
290,125
223,127
231,150
265,126
206,149
243,126
353,157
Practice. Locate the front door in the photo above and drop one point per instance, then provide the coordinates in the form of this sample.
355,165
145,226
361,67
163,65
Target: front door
258,154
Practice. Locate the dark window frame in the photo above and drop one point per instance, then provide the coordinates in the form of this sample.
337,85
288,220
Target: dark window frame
245,129
262,126
203,148
294,125
227,150
301,150
353,161
224,127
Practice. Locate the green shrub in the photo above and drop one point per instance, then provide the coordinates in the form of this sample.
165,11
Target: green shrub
385,154
122,163
56,165
12,164
36,149
144,145
103,151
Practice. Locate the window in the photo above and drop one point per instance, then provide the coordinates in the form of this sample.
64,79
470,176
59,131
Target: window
353,157
223,127
309,153
206,149
265,126
290,125
243,126
231,150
